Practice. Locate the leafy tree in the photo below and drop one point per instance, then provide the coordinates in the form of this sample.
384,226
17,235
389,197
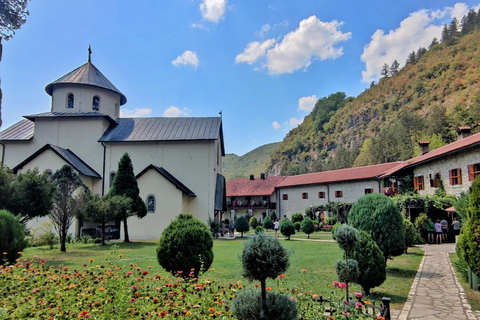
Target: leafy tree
467,246
297,217
32,195
379,216
371,263
125,184
13,13
385,71
394,67
307,226
287,228
437,122
253,222
185,247
12,237
69,200
241,224
6,181
267,223
263,257
103,209
461,206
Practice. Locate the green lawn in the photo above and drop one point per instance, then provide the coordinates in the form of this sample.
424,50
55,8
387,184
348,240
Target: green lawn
317,258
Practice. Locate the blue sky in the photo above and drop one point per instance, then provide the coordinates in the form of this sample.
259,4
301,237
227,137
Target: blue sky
262,63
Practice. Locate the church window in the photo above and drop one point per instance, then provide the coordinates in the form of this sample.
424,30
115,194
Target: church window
96,103
151,203
112,176
70,101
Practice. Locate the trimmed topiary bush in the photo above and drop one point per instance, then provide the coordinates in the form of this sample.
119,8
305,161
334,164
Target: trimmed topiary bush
248,305
297,225
297,217
185,247
287,228
259,229
241,225
410,233
347,270
267,223
378,215
371,263
335,227
253,222
12,237
273,215
263,257
307,226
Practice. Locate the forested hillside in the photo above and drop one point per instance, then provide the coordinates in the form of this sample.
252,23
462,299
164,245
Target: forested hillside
253,162
437,90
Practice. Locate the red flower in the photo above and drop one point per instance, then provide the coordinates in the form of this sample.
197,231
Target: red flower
145,272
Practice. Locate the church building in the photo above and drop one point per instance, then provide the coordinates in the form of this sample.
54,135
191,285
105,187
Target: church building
177,161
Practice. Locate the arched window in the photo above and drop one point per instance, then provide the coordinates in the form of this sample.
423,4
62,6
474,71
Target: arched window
151,203
112,176
96,103
70,101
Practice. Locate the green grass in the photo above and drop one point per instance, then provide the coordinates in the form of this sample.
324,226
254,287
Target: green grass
317,258
473,296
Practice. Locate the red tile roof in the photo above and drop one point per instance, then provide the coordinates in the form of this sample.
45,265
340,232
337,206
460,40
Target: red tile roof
350,174
256,187
454,147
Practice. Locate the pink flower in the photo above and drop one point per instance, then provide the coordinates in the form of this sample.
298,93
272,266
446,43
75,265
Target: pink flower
335,283
134,288
358,305
342,285
346,313
358,295
345,303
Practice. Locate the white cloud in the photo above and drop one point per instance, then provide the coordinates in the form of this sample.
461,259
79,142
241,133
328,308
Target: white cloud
175,112
135,113
415,31
254,51
295,122
187,58
265,28
198,26
213,10
313,39
276,125
307,103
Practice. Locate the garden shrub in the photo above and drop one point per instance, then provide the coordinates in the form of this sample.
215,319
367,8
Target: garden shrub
248,305
267,223
297,217
45,236
335,227
97,240
185,247
410,233
241,225
371,263
307,226
331,221
378,215
297,226
347,270
259,229
273,215
12,237
287,228
253,222
214,227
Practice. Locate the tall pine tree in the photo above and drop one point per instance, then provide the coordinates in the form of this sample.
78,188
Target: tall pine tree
125,184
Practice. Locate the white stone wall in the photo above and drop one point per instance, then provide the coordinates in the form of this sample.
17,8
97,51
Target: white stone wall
443,166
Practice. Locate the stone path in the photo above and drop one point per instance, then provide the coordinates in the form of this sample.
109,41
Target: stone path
436,292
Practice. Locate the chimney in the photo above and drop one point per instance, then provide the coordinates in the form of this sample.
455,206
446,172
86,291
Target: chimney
423,147
251,177
463,132
262,176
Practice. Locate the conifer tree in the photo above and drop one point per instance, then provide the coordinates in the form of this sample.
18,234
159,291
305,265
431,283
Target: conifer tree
411,58
394,67
385,71
125,184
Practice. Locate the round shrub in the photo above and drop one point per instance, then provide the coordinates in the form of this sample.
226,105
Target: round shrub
347,237
378,215
241,225
410,233
297,217
253,222
185,244
247,305
347,270
259,229
273,215
12,237
297,226
371,263
267,223
335,227
307,226
287,228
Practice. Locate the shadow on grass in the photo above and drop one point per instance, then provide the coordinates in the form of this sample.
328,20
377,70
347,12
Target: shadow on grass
401,273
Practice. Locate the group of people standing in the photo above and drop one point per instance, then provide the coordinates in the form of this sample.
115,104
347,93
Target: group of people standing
223,229
438,231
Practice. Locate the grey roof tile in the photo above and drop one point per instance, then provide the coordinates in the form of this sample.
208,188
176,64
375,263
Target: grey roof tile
32,117
22,130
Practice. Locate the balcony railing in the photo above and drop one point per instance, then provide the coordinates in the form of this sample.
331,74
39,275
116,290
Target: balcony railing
250,204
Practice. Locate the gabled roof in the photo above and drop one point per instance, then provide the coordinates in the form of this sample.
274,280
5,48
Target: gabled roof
472,141
165,129
33,117
256,187
170,178
349,174
86,74
22,130
68,156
